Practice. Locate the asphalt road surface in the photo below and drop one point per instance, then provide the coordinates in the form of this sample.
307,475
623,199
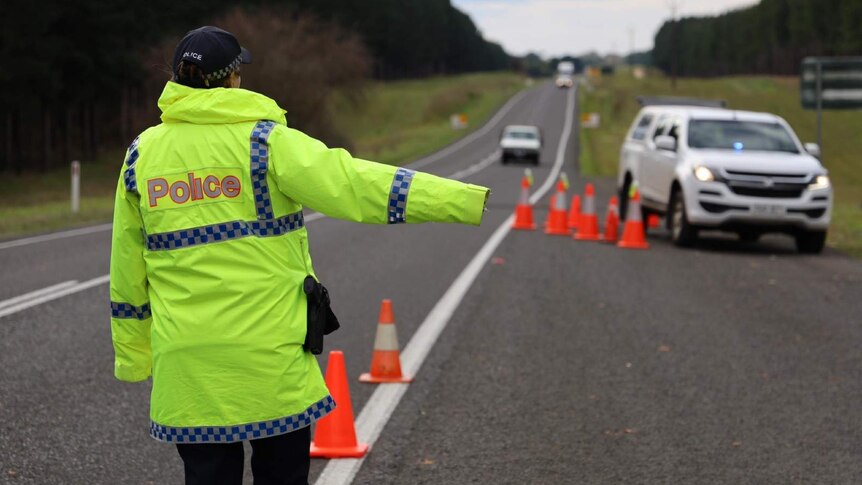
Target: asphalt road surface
565,362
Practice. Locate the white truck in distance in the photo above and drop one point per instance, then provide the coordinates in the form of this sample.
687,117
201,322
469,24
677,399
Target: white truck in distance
565,73
715,168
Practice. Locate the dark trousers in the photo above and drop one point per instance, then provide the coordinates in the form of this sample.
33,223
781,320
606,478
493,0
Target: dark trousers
279,460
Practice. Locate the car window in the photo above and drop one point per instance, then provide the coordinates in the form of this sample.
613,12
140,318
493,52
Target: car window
640,131
660,128
740,135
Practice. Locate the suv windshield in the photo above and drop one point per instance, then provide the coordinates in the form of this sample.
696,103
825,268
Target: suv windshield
740,135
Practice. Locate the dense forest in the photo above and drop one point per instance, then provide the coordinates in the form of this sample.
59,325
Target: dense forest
771,37
82,77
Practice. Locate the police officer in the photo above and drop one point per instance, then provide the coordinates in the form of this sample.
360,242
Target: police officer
210,253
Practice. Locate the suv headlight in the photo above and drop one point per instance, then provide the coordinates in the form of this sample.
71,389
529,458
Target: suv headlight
820,182
703,174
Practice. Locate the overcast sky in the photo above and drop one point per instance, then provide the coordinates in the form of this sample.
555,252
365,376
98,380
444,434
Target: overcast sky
558,27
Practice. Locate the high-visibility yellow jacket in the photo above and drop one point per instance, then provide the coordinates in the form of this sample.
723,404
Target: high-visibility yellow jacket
210,251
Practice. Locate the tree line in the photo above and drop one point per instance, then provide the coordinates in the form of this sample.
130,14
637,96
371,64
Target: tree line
771,37
83,77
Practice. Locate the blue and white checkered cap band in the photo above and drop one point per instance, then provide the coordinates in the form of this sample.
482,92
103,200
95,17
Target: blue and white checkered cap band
127,310
259,165
243,432
224,231
398,195
223,72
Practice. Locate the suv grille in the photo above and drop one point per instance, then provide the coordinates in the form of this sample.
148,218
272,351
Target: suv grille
775,192
769,185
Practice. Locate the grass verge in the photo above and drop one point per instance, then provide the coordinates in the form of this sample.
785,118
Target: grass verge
613,97
404,120
398,122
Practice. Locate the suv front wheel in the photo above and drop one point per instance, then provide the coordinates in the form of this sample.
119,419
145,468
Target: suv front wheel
811,242
682,233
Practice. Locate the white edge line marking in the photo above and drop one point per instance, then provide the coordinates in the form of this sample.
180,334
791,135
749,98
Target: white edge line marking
35,294
472,136
53,296
385,398
55,235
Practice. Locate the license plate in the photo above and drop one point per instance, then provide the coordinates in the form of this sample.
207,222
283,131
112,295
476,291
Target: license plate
768,210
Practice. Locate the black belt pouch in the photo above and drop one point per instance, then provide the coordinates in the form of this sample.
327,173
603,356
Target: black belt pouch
321,320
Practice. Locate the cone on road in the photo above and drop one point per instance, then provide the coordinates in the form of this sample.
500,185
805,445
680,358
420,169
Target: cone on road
612,222
634,235
575,212
524,211
386,358
335,436
588,227
653,221
556,224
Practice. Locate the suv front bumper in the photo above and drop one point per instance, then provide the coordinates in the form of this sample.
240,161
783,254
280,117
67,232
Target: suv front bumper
714,205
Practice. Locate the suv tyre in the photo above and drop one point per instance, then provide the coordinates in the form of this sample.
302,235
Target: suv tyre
682,233
811,242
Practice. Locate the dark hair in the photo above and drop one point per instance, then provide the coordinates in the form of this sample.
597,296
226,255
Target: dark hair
189,74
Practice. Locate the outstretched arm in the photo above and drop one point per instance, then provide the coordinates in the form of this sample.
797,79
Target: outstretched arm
334,183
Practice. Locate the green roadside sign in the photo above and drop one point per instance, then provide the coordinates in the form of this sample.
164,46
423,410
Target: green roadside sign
837,79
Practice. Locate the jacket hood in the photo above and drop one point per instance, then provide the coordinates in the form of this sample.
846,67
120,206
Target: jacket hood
182,104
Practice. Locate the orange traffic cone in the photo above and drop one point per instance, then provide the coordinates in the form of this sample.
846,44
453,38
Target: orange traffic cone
588,227
612,222
634,235
653,221
386,359
335,436
524,211
556,223
575,212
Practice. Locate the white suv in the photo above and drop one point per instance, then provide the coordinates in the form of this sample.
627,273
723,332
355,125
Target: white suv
739,171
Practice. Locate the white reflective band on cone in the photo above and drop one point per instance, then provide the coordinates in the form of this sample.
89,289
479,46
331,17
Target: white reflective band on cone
590,205
386,338
634,212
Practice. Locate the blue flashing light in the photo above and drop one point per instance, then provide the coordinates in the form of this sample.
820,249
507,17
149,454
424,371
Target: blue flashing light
738,146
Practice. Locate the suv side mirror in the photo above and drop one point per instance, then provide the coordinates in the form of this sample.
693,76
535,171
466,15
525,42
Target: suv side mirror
665,142
813,149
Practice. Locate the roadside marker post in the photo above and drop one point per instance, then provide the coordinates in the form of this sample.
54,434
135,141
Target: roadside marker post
76,186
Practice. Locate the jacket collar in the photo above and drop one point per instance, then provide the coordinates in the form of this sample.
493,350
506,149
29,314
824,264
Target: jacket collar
182,104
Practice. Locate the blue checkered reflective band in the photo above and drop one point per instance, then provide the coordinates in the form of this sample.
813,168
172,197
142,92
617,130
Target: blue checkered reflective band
127,310
259,165
243,432
398,195
129,172
224,231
